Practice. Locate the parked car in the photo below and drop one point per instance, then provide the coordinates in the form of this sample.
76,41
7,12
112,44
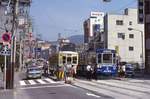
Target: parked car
129,72
34,72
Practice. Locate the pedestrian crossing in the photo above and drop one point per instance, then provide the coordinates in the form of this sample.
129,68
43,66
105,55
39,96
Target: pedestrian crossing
36,82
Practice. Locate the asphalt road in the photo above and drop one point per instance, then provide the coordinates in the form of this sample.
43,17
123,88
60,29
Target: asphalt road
62,91
46,88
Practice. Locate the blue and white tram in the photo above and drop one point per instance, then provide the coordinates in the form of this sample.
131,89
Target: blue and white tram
106,62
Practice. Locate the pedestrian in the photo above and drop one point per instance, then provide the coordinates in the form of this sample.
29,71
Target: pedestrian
89,71
45,70
65,72
74,70
123,70
95,72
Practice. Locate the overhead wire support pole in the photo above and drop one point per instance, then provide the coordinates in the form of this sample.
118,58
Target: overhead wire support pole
10,69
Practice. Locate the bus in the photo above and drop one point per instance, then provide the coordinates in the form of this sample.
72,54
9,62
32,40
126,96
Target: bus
106,62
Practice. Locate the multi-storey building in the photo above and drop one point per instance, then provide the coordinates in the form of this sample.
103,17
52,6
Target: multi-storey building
118,36
146,6
93,25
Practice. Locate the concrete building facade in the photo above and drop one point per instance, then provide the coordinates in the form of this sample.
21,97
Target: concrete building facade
127,43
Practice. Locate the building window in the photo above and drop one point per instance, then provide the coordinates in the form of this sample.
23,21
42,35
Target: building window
130,22
121,35
131,35
131,48
119,22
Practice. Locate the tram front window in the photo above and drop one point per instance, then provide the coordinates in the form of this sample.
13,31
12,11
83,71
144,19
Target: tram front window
74,60
64,59
68,60
107,58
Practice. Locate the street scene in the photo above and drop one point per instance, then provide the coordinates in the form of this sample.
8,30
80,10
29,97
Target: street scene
76,49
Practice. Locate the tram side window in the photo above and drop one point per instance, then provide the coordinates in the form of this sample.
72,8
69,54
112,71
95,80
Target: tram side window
64,59
114,58
74,60
68,60
99,58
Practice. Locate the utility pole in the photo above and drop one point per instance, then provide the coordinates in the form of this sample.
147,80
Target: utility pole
10,69
5,64
20,54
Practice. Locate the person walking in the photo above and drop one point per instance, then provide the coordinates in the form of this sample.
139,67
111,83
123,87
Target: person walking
89,72
65,72
46,70
74,70
123,70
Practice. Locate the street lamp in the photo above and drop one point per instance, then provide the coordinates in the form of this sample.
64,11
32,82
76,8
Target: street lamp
130,29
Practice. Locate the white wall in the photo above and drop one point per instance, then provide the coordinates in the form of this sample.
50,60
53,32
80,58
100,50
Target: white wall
113,40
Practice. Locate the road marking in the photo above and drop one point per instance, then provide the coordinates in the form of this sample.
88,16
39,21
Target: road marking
41,81
91,94
49,80
22,83
44,87
37,81
32,82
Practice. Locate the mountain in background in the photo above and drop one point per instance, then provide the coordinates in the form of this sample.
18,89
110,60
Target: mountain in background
77,39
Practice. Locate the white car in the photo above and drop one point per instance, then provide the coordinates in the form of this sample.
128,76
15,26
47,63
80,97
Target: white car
34,72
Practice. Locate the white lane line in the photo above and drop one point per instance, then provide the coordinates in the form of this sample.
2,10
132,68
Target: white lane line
49,80
41,81
32,82
90,94
39,87
22,83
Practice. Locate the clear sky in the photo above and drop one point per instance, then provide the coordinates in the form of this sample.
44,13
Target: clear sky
51,17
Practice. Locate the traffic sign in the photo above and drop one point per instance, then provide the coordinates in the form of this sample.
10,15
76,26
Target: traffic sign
5,51
37,49
6,37
8,53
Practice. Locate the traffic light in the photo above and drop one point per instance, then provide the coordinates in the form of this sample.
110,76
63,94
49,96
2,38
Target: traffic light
141,11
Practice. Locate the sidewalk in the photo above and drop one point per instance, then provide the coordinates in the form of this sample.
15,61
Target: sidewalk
17,76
